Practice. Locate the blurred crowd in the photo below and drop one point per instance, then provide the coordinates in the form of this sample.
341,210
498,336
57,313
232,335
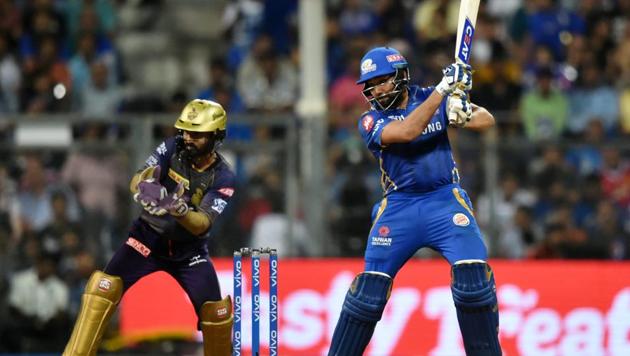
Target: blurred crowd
556,74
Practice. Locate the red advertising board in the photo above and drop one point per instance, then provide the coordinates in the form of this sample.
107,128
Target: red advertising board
546,308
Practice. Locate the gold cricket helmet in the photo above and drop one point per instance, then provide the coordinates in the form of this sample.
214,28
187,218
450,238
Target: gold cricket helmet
202,116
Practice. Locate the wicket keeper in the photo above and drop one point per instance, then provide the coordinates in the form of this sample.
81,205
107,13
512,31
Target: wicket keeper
423,204
184,186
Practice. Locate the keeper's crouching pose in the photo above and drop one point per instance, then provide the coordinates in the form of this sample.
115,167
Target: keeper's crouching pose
423,204
184,186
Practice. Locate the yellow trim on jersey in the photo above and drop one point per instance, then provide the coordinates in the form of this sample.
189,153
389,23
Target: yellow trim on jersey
386,181
380,211
178,178
462,201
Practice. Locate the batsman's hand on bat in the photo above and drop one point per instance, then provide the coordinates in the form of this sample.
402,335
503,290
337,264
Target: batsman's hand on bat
150,191
459,109
456,76
173,203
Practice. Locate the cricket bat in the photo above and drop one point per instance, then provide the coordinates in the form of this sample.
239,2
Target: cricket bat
465,30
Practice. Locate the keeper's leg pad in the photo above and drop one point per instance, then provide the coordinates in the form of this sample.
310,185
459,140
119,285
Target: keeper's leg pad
474,293
216,326
99,301
362,309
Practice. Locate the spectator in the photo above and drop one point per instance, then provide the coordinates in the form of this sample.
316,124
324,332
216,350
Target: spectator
100,98
616,177
10,226
586,158
290,237
10,77
593,99
511,196
98,177
35,196
62,236
38,304
521,236
552,25
544,110
436,20
605,231
267,82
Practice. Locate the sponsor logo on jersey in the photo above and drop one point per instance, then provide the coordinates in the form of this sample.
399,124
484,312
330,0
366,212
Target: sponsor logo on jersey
379,122
195,260
367,66
227,191
381,241
151,161
432,127
219,205
138,246
104,285
368,123
395,58
396,117
460,219
178,178
161,149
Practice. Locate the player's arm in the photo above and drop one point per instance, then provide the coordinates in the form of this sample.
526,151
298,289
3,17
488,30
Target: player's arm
196,222
464,114
456,75
152,166
480,120
199,221
413,125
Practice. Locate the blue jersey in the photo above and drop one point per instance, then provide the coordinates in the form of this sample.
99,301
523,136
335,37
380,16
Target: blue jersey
422,165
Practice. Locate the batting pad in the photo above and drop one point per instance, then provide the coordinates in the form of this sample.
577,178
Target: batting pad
362,309
474,293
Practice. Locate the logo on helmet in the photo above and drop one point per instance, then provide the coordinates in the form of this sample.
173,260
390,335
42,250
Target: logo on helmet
395,58
367,66
192,114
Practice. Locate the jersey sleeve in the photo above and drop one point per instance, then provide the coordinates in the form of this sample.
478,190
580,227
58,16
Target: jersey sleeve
371,126
161,155
217,197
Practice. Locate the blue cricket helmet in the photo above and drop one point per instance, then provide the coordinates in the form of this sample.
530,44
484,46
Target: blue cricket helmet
381,61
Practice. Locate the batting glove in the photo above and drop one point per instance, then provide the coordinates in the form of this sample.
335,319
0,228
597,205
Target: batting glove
150,191
456,76
459,109
174,203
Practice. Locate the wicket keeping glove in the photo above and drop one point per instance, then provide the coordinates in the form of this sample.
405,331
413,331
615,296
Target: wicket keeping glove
150,191
459,109
456,76
173,203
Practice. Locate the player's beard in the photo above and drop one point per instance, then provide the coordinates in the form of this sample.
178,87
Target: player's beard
386,101
194,152
190,153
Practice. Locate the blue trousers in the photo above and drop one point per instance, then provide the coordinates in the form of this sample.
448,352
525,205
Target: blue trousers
442,220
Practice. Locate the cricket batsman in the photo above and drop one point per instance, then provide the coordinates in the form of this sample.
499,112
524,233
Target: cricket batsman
423,204
184,186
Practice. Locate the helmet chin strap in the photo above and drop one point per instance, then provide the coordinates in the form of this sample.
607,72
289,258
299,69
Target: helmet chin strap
393,102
